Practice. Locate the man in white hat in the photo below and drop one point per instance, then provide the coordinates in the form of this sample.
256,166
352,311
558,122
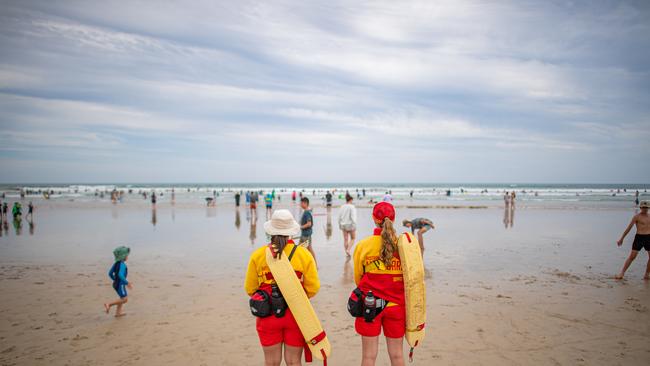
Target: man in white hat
641,239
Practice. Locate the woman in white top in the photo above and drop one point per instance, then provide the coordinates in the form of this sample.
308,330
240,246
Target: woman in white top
348,223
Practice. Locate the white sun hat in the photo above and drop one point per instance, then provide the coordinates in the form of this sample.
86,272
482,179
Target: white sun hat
282,223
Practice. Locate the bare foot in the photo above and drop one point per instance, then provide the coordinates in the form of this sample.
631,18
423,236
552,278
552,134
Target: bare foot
618,277
107,308
120,315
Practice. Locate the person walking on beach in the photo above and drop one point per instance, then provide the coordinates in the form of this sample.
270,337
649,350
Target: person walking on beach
30,210
388,197
420,224
4,210
636,198
293,196
641,239
17,211
348,224
276,327
254,204
237,197
328,199
118,274
153,198
306,226
268,200
378,272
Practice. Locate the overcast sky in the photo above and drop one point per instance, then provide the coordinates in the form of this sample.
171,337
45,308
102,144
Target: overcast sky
273,91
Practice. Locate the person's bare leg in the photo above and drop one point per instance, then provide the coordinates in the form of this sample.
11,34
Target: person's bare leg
108,306
292,355
421,239
346,242
273,355
395,350
628,261
312,254
118,311
369,348
647,268
353,238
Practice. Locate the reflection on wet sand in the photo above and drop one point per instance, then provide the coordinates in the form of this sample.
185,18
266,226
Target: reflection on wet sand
30,221
18,226
237,219
154,218
348,272
509,217
328,227
253,234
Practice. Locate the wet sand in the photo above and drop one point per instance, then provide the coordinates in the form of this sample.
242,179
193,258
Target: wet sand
539,292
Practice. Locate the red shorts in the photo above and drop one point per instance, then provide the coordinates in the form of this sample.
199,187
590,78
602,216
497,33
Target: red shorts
272,331
392,319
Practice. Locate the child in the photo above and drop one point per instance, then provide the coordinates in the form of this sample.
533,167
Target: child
118,273
641,239
306,225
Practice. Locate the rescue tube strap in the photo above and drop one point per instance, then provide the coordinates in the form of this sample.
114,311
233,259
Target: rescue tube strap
411,351
292,251
417,329
314,341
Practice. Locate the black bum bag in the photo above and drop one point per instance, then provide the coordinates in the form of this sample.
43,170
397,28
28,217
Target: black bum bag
355,303
260,304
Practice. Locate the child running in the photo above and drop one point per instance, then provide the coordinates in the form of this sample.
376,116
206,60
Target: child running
377,269
641,239
278,327
118,273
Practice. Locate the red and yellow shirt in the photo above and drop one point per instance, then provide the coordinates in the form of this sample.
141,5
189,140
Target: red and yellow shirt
370,273
259,276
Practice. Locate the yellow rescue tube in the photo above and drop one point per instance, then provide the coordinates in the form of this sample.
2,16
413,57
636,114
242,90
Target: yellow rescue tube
298,302
414,291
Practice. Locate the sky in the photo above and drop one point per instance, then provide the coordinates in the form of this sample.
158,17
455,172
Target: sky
325,91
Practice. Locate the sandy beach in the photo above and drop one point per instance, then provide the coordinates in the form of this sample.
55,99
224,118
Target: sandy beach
539,293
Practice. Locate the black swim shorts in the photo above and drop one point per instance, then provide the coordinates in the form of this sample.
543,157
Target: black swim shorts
641,241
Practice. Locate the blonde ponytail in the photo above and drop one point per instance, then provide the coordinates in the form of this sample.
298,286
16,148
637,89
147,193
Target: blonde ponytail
388,241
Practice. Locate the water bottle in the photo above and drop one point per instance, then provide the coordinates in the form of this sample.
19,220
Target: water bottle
369,307
277,302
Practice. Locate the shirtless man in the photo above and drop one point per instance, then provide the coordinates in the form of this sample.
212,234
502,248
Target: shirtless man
641,239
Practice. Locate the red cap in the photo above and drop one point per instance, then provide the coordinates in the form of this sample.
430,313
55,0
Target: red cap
383,210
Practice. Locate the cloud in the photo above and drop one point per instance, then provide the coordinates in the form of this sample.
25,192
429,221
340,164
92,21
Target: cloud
327,86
